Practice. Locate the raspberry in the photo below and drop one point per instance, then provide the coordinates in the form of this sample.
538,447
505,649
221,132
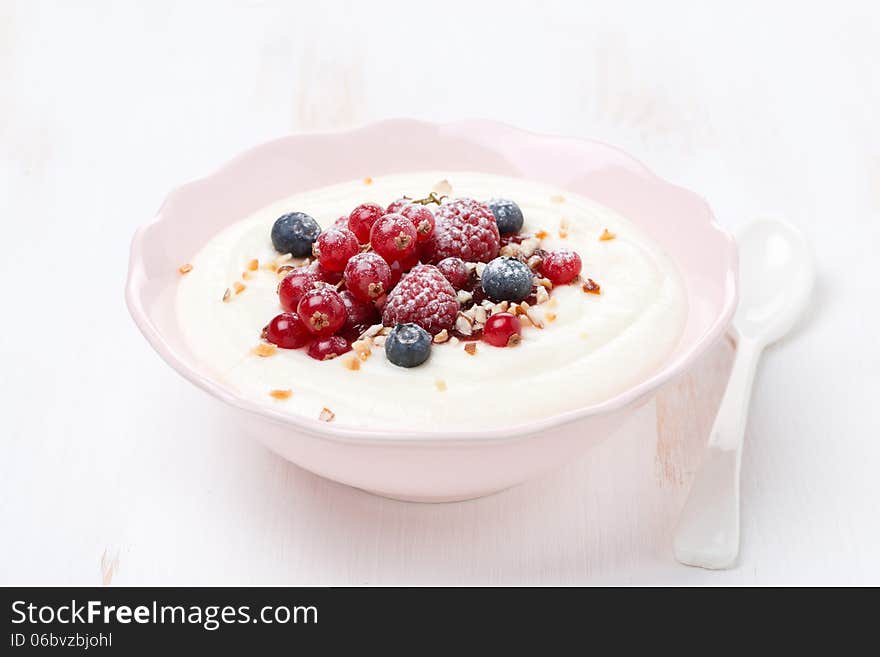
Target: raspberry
421,217
322,311
455,271
561,266
502,330
362,218
334,247
287,331
367,276
464,229
294,285
394,237
329,347
423,297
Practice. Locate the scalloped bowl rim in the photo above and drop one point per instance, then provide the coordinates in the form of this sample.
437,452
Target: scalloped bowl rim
317,428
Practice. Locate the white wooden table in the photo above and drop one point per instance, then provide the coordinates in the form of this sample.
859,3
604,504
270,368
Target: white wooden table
114,469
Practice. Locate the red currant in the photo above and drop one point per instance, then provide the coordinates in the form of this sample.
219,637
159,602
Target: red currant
400,267
368,276
398,205
394,237
561,266
334,247
287,331
342,222
455,271
322,311
358,313
294,285
421,217
502,330
362,218
329,347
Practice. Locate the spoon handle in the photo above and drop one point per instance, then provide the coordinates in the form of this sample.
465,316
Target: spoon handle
708,530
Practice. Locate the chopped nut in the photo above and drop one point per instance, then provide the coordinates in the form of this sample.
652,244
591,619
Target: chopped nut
511,250
326,415
480,314
563,233
464,324
541,295
363,348
385,330
254,265
487,304
379,341
528,247
471,348
441,337
480,266
265,349
352,363
501,307
246,275
550,317
238,287
226,295
542,234
370,332
441,384
454,341
368,181
517,309
443,188
185,269
283,271
606,235
281,394
284,257
533,318
557,198
591,287
534,262
540,281
464,296
470,267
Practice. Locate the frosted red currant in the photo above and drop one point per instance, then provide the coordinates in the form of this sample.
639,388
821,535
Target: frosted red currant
455,271
394,237
561,266
359,314
322,311
287,331
368,276
334,247
294,285
329,347
362,218
421,217
398,205
502,330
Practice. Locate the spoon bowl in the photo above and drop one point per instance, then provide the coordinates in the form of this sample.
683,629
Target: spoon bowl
776,278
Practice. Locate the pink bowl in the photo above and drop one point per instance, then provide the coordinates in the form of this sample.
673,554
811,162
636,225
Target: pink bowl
431,465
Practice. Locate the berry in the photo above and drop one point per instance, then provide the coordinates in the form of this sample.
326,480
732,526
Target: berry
400,267
334,247
368,276
322,274
561,266
507,279
502,330
408,345
358,313
464,229
394,237
295,233
398,205
508,216
322,311
342,222
329,348
362,218
287,331
455,271
423,297
294,286
421,217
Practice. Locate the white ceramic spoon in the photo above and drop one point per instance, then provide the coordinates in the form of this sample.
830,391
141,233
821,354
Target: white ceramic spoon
775,278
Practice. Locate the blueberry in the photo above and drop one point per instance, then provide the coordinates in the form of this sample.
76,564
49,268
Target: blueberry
294,233
508,216
408,345
507,279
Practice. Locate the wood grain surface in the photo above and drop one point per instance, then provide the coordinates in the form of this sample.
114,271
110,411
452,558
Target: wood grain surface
113,470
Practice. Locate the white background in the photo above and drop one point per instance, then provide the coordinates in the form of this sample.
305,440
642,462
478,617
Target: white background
114,469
